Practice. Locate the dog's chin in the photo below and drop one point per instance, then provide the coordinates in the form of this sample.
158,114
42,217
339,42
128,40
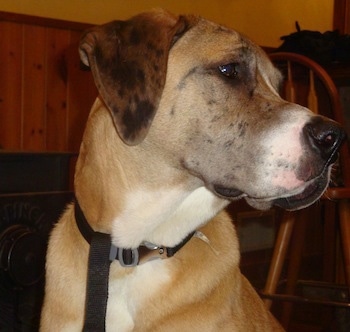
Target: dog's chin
311,193
307,197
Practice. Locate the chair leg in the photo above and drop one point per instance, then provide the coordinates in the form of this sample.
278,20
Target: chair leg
297,246
329,241
344,216
279,255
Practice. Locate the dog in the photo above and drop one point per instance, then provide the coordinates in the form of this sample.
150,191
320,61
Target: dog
187,120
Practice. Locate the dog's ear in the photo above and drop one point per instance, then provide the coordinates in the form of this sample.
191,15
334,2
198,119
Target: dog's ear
128,60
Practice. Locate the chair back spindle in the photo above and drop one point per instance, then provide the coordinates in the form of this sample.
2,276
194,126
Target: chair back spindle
312,101
289,87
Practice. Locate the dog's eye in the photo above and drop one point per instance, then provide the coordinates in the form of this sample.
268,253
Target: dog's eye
230,70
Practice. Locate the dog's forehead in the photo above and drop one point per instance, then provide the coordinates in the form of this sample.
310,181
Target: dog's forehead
198,54
210,42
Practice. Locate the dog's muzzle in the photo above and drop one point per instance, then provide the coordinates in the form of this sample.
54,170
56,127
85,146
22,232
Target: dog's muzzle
323,138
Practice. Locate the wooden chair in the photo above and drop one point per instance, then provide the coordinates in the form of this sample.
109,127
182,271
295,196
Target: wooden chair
304,79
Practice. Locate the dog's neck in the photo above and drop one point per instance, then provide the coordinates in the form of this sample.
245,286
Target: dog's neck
118,196
164,216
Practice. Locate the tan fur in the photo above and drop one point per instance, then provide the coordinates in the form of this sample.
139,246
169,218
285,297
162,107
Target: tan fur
207,291
208,296
153,179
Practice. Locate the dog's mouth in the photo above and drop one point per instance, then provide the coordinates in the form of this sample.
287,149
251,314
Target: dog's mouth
311,193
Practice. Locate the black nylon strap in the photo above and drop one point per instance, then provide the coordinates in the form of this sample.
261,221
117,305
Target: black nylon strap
172,251
97,283
84,227
87,232
98,269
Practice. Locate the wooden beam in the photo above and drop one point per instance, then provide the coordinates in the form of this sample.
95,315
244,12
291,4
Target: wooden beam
43,21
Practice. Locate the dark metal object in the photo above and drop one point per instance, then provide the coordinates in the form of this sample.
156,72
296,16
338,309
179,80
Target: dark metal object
34,189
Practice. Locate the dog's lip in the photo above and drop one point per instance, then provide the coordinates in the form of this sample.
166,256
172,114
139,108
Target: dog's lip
309,195
312,191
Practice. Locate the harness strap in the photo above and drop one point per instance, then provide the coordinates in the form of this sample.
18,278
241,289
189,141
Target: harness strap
97,283
102,253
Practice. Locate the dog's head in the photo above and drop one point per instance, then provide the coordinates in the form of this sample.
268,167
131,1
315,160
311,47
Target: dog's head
219,90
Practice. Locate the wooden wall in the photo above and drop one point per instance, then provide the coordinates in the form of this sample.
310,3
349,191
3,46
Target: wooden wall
45,96
341,16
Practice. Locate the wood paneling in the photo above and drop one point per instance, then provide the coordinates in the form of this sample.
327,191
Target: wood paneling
341,16
57,99
11,44
45,97
34,88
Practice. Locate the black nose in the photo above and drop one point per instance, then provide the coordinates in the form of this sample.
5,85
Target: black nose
325,136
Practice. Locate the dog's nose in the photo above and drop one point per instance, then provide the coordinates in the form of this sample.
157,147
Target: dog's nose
324,136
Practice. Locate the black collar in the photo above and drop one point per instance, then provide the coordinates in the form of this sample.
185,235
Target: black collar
128,257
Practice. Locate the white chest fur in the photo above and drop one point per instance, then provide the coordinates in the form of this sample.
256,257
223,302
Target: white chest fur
133,291
164,216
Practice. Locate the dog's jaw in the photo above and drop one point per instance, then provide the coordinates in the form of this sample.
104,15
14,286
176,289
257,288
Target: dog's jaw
146,215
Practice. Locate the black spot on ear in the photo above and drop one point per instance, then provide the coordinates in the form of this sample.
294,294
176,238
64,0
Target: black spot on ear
159,53
136,120
150,46
127,74
135,37
121,93
140,76
136,98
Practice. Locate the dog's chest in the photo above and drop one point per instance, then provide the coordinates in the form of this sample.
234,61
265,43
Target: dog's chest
130,291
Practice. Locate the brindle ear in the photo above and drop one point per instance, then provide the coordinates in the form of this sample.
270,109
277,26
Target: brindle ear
128,60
